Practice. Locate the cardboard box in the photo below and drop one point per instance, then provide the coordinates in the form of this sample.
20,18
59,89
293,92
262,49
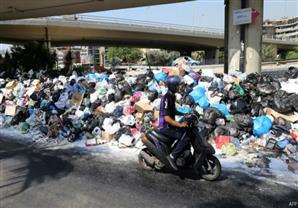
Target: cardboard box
106,136
270,112
77,99
143,107
11,85
10,109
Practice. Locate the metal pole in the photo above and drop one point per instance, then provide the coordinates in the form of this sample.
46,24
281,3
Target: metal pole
226,36
242,41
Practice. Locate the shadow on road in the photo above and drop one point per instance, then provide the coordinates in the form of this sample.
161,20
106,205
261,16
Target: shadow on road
30,168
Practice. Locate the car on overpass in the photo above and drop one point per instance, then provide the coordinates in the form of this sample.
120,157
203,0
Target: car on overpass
187,60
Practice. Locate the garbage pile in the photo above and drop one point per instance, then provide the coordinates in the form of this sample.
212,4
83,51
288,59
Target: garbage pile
255,112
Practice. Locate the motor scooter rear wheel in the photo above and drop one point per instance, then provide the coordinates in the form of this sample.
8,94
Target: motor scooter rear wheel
212,169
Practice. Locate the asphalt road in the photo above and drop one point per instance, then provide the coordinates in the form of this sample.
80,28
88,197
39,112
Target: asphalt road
35,178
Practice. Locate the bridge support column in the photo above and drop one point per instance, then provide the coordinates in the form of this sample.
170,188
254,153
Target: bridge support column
253,39
212,56
185,53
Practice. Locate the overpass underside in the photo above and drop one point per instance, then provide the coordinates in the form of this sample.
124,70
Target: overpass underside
59,35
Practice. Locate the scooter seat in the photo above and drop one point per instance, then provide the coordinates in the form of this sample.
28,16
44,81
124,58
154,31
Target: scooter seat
160,136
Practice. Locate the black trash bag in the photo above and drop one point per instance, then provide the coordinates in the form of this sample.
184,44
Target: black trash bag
233,129
118,95
211,114
233,94
2,108
239,106
189,100
35,96
276,85
206,79
111,97
265,78
256,109
221,131
243,120
294,101
95,105
292,73
21,116
123,130
282,122
266,89
253,78
56,95
152,96
185,89
282,102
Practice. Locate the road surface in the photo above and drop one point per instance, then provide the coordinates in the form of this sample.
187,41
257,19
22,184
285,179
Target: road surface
35,178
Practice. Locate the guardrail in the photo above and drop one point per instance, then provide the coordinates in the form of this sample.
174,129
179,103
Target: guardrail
150,25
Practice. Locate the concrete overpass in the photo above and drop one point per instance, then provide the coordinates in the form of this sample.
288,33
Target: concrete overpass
90,30
19,9
243,39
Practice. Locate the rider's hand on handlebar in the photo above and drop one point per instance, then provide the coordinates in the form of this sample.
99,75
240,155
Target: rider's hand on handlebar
183,124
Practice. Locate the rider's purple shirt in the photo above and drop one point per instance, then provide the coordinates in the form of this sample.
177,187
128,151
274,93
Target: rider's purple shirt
167,108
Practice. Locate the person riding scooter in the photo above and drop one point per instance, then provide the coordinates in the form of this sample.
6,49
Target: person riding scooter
167,123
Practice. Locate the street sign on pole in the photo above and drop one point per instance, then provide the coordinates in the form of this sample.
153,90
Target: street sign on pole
242,16
254,14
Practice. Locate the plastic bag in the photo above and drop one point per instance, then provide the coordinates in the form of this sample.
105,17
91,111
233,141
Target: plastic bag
160,76
239,89
211,114
243,120
197,93
126,140
203,102
184,110
221,140
261,126
222,108
229,149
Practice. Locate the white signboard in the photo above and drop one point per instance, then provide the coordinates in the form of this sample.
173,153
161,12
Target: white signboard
242,16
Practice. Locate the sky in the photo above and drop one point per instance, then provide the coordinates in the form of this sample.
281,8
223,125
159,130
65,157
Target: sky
200,13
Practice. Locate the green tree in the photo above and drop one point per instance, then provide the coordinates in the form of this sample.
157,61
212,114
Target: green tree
32,55
162,57
269,52
127,55
292,54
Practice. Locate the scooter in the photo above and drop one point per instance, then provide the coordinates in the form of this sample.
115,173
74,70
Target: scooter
198,157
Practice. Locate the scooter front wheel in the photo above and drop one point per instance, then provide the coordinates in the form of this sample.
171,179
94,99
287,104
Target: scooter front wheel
142,161
211,170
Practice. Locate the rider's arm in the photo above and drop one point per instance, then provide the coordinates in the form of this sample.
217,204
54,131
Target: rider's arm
173,122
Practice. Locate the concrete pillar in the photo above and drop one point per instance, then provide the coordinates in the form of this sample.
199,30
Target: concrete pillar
233,38
185,53
212,56
216,56
253,43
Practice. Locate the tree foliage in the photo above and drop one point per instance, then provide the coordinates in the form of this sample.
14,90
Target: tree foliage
32,55
162,57
292,54
127,55
269,52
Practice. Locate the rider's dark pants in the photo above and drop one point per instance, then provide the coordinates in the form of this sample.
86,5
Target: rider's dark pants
177,133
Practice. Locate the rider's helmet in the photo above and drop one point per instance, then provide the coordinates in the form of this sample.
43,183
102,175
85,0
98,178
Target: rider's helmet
172,83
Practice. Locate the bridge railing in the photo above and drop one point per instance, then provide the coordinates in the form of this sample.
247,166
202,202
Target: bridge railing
139,23
154,25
